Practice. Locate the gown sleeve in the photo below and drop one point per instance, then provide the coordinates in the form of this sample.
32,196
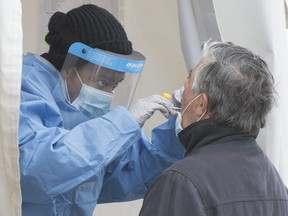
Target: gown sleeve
109,155
128,176
54,160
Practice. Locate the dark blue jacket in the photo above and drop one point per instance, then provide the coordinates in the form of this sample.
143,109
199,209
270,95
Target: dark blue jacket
224,173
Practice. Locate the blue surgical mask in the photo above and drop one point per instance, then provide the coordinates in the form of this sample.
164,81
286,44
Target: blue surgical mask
93,101
178,122
178,126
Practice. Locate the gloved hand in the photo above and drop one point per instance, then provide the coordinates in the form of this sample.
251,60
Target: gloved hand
144,108
177,97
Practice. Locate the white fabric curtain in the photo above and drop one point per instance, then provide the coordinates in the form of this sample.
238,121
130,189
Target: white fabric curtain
197,24
10,78
260,26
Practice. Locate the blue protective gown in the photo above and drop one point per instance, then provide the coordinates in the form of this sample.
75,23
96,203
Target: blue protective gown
70,161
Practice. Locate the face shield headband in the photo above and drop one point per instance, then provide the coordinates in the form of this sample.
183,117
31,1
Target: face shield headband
132,63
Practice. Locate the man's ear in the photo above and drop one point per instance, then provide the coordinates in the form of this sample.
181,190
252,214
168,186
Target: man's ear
202,105
205,101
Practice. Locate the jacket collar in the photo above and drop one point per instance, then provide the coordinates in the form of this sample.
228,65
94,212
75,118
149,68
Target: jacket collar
206,132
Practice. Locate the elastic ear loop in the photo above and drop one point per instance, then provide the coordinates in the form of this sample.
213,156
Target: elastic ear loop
67,92
66,88
202,115
78,75
190,104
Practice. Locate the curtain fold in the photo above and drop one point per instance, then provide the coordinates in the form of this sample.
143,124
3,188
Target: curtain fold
10,79
260,26
197,24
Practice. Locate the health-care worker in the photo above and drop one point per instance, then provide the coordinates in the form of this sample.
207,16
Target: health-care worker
77,146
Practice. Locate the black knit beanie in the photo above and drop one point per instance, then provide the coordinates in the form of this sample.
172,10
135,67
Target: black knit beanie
88,24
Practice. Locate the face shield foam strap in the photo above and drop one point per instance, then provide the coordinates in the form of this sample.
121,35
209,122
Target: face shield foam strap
132,63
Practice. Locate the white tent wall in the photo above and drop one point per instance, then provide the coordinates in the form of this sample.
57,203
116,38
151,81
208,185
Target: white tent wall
10,76
152,26
198,24
260,26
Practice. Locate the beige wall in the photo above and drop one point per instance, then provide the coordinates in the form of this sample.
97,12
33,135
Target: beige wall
30,22
152,26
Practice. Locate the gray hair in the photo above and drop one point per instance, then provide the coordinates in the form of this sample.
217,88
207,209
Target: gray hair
238,83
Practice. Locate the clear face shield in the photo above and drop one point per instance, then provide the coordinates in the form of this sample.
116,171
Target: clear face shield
98,80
